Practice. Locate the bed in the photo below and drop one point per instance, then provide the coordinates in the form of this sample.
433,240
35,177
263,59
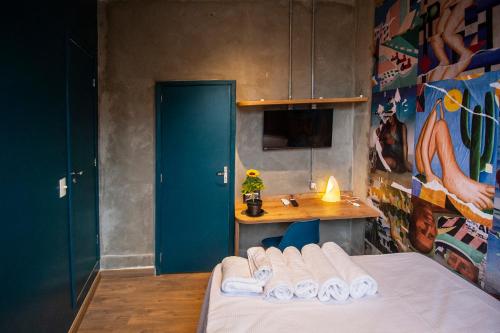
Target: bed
416,294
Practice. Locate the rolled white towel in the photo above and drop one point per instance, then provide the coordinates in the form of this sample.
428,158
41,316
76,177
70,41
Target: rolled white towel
360,282
260,265
236,278
280,285
331,284
304,283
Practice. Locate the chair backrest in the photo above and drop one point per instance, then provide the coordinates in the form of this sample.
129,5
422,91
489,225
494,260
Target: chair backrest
301,233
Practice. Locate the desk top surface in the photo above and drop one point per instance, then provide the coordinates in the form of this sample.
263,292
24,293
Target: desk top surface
310,207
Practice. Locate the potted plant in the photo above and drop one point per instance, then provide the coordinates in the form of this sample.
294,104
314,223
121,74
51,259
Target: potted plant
250,189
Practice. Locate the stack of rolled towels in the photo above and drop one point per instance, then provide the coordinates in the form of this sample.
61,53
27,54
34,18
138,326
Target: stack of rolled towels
326,272
359,282
280,284
236,277
260,264
331,284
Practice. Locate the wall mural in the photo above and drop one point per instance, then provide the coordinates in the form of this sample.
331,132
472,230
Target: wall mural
456,36
455,146
389,232
452,240
492,274
396,44
434,134
391,137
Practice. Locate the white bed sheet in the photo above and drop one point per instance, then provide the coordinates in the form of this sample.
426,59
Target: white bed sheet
416,294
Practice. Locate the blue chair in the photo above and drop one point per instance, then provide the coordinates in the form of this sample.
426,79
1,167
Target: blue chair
298,234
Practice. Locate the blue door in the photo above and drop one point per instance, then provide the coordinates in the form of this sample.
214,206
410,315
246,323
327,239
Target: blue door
195,162
82,169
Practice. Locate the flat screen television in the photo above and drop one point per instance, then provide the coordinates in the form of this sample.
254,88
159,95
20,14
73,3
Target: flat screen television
289,129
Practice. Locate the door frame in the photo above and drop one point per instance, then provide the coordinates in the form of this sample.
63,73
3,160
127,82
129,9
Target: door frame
77,298
158,157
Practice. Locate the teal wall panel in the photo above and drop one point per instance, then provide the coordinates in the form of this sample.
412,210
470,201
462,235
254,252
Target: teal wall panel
35,278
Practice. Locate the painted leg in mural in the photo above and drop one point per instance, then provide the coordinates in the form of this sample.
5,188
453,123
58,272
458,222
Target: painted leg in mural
435,137
424,157
455,41
437,44
451,18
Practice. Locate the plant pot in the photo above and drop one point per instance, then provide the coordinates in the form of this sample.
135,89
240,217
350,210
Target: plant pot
256,195
254,207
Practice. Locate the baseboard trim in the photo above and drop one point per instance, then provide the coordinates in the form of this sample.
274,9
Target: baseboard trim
85,304
87,285
129,272
115,261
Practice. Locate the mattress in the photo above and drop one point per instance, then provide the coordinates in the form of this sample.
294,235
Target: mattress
416,294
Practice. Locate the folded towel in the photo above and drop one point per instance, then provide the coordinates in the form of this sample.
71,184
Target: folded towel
331,284
360,282
304,283
280,285
236,278
260,265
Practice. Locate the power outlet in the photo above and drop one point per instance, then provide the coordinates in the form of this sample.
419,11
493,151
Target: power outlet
312,186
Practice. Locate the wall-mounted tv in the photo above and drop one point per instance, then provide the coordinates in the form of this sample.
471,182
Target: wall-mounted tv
305,128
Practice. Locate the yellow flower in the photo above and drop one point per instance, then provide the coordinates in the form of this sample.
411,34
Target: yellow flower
253,173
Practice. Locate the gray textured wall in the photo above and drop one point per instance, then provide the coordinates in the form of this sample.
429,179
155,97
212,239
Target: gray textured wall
362,78
145,41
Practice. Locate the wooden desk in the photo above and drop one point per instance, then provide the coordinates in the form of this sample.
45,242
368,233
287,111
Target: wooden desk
310,207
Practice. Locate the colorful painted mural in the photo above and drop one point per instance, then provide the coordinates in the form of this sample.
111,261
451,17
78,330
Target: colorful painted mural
389,232
391,158
434,134
391,137
396,44
457,36
461,246
492,274
454,241
455,145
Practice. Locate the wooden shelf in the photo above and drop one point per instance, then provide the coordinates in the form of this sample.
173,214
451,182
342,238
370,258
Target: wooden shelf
310,207
303,101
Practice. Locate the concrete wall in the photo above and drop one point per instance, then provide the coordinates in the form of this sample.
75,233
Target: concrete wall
145,41
365,13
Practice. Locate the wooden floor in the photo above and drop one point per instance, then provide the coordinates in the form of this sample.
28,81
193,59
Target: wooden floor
166,303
